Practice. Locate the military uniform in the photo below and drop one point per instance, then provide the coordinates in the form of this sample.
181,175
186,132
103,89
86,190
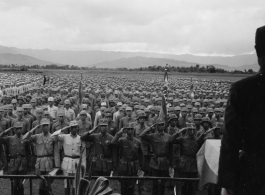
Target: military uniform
131,160
126,120
25,122
45,155
145,146
18,161
188,164
104,153
72,146
161,161
84,126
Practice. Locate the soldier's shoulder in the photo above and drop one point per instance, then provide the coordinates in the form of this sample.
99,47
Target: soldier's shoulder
249,81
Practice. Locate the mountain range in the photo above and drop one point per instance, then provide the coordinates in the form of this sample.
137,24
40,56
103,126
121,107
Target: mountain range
114,59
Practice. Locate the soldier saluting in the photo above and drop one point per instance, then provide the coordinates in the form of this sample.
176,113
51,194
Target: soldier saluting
188,150
131,157
72,146
44,144
17,151
104,151
161,162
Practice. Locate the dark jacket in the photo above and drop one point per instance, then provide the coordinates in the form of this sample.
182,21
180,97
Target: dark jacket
244,130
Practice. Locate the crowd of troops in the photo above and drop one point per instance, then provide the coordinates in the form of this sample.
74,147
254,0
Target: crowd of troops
117,119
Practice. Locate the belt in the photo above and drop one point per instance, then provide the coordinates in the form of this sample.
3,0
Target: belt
73,157
42,156
18,156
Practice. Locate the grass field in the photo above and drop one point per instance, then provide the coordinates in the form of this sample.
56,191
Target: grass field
232,77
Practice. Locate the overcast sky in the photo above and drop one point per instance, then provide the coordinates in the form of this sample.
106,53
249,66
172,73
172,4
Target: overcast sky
212,27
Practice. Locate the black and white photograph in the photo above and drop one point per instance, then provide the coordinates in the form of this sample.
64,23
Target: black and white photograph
132,97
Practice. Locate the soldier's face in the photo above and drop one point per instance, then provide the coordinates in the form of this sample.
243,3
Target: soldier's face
130,132
67,106
205,125
191,132
20,113
141,120
197,122
210,113
129,112
18,131
61,118
45,128
74,130
39,115
103,129
173,123
83,117
217,113
184,113
160,127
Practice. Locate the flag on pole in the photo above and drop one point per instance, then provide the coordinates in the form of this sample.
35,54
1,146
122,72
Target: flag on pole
191,89
208,162
163,111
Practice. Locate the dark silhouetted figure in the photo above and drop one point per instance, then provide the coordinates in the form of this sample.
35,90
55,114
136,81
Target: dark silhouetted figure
244,131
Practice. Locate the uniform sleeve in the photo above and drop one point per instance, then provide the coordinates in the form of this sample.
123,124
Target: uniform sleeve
229,154
84,153
61,137
145,135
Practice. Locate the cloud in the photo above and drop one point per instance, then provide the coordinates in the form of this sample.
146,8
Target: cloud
222,27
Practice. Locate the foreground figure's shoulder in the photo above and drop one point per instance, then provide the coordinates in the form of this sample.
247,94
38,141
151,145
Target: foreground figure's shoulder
248,82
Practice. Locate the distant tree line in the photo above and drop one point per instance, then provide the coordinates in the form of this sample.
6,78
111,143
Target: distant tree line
196,69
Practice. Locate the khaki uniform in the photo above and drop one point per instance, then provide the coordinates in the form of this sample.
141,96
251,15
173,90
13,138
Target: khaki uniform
44,146
72,146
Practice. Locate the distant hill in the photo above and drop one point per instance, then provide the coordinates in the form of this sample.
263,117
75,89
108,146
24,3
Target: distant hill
89,58
137,62
8,58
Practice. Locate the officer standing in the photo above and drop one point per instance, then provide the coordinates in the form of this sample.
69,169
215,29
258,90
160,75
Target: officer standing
103,149
17,151
161,162
131,157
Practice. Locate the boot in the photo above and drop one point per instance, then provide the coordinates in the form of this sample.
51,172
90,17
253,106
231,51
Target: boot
66,191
